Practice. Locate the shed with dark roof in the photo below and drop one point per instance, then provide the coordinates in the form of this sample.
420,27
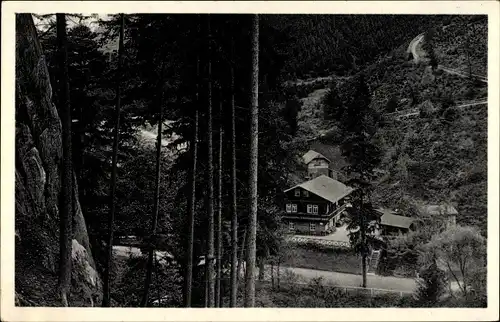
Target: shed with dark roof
391,222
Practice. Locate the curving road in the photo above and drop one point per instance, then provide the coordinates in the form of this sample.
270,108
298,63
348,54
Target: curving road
414,49
387,283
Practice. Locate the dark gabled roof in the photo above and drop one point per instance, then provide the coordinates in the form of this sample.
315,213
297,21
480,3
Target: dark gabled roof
311,155
326,188
389,218
396,221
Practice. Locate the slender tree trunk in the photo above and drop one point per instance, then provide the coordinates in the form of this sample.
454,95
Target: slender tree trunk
468,60
192,201
278,273
219,213
254,140
149,269
241,258
272,274
234,208
363,240
65,242
261,269
157,267
211,246
112,204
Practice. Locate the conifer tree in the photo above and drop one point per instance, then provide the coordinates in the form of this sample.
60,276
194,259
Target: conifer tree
210,181
66,231
362,156
188,278
234,209
254,137
111,219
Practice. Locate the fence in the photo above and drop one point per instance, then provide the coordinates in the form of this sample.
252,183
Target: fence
317,241
351,290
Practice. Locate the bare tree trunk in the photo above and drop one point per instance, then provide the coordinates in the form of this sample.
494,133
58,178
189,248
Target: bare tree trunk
254,140
272,274
234,209
468,60
261,269
188,280
218,250
363,241
65,242
154,223
242,254
210,250
157,267
111,218
278,273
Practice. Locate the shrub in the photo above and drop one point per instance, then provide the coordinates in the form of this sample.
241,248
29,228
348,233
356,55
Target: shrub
392,105
446,103
431,285
333,108
451,114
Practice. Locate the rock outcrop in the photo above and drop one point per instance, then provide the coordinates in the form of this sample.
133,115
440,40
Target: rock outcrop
38,184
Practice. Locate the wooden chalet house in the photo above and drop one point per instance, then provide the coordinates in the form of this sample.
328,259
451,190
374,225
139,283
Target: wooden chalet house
313,207
317,164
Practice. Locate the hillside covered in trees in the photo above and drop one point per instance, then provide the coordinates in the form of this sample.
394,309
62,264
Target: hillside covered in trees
155,120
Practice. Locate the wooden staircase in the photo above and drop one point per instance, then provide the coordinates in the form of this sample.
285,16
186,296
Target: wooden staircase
373,262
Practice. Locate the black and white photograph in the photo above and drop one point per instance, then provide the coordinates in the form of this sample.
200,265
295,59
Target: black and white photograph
250,160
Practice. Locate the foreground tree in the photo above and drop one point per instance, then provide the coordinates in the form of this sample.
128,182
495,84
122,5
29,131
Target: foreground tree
210,184
151,249
188,277
112,206
218,218
67,169
362,156
254,140
463,249
431,284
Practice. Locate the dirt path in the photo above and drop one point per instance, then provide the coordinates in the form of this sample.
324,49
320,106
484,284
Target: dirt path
415,112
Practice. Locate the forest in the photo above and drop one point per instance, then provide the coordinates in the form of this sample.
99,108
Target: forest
207,190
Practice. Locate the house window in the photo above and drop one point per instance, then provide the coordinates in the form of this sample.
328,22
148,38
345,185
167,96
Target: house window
288,207
291,226
305,193
312,209
312,227
294,208
297,192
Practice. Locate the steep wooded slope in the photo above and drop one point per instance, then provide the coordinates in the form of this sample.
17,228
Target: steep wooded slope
439,154
37,187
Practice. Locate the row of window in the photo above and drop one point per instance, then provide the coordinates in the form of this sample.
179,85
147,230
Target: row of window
291,226
311,209
305,193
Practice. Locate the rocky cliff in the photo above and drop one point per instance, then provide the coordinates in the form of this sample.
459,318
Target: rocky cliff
38,185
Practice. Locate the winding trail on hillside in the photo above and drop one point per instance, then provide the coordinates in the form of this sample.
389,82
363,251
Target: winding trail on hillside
415,111
414,48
